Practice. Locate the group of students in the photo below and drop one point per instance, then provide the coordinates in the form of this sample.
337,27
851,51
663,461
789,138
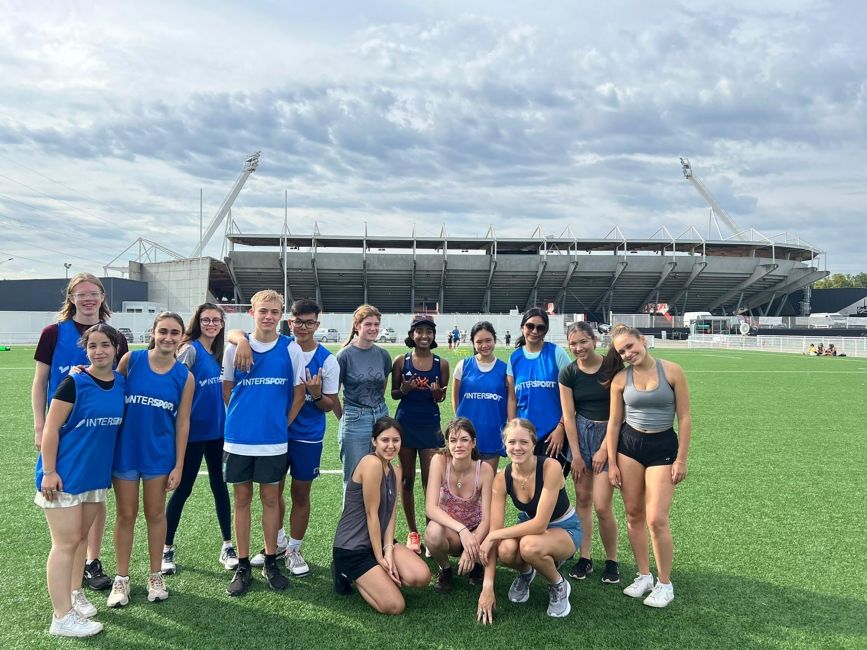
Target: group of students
254,406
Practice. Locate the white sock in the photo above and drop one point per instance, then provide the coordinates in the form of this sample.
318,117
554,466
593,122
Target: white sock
281,537
295,544
227,545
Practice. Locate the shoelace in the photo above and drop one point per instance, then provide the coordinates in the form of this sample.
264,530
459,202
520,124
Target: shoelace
117,587
230,552
79,599
157,582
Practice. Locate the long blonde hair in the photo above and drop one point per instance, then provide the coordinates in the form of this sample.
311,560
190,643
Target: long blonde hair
364,311
67,310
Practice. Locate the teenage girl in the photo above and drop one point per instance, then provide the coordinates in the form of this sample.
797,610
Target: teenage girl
458,505
150,449
418,381
584,396
201,352
364,550
645,459
57,352
364,371
73,473
481,390
547,532
534,367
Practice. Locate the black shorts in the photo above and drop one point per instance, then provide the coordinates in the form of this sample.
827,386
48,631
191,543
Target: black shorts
258,469
649,449
353,564
564,457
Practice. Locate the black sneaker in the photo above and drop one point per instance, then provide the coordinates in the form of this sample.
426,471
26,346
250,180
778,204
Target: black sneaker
477,575
583,568
95,576
240,582
272,575
445,581
341,583
611,574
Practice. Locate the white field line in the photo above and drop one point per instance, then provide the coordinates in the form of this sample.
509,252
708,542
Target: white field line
321,472
723,356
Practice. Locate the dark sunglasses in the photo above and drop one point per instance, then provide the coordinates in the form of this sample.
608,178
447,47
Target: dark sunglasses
533,327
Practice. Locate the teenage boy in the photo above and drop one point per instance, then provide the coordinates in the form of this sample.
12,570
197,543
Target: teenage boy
261,403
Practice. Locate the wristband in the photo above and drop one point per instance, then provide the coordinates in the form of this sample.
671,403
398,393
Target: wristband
46,472
316,399
386,547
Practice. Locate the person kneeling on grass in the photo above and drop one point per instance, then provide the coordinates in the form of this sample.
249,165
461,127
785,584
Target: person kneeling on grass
365,552
73,474
458,505
547,533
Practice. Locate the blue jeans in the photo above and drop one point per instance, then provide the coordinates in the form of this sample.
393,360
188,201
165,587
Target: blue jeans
353,435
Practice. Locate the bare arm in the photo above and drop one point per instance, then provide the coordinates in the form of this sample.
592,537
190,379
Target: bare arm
297,402
38,398
512,399
399,388
567,404
456,394
552,476
615,421
227,391
488,476
684,419
243,351
488,551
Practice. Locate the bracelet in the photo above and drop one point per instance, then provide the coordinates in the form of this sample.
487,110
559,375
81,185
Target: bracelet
462,530
316,399
387,546
46,472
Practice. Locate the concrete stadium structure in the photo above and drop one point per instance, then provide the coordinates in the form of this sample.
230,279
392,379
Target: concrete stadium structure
495,275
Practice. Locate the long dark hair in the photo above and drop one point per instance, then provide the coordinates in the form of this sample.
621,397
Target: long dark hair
530,313
384,423
481,326
194,330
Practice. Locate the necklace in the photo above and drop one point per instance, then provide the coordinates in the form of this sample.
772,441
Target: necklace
523,478
459,479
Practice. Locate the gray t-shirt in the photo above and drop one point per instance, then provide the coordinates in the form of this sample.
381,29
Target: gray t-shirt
364,375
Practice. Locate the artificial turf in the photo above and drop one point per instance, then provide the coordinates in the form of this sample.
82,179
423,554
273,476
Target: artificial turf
769,532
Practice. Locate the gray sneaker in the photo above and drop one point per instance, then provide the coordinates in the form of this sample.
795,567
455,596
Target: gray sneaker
519,592
558,599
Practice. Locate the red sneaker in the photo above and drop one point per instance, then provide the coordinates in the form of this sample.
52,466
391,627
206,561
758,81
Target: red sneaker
413,543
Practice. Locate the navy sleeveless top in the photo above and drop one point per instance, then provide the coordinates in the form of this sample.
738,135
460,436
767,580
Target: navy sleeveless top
417,408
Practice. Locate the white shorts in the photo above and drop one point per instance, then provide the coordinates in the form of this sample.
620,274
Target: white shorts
67,500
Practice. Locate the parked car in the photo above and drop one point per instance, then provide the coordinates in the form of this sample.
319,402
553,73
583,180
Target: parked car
127,333
146,337
387,335
324,335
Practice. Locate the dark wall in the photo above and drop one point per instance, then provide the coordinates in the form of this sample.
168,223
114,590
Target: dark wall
48,295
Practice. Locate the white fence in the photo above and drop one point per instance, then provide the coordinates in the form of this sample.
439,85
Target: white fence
850,346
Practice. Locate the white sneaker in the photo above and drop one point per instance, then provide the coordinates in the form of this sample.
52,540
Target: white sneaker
229,558
82,605
296,564
259,558
169,567
119,595
73,624
157,587
640,586
660,596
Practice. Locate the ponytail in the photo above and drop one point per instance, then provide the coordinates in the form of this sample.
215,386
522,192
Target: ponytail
363,311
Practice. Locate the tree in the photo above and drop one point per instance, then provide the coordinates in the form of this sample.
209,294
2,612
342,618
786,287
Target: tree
842,281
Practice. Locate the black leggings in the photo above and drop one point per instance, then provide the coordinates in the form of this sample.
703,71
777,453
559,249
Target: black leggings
212,451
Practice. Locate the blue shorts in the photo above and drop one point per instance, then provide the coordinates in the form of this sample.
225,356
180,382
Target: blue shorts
570,524
303,458
134,475
591,433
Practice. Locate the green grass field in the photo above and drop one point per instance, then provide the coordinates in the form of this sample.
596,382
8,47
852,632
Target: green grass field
769,531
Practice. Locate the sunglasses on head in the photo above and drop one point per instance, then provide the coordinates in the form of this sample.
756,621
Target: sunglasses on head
534,327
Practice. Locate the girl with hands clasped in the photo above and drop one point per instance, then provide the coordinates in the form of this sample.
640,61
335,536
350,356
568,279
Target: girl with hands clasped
458,505
585,399
365,552
418,379
73,473
150,449
646,459
547,532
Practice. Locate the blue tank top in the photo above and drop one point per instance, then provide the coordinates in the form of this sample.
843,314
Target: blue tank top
67,353
208,413
85,451
417,409
261,398
483,400
537,389
146,443
309,424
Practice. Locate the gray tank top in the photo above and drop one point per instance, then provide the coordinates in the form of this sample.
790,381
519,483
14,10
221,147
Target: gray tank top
649,410
352,533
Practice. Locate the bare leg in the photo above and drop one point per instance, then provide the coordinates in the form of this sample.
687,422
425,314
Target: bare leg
66,536
543,551
96,533
89,513
269,495
632,489
583,506
380,592
155,516
603,493
126,512
660,491
243,495
299,517
407,466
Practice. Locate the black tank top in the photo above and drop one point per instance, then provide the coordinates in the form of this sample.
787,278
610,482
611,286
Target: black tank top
560,508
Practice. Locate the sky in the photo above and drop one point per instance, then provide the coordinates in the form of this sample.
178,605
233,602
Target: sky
436,115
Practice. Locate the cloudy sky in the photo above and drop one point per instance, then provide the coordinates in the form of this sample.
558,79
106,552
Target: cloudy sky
464,113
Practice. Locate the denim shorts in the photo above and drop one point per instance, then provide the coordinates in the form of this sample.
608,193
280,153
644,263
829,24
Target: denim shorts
569,522
591,433
134,475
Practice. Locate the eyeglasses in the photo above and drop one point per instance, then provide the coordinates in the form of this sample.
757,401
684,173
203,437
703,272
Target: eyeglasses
534,327
86,294
305,324
211,321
